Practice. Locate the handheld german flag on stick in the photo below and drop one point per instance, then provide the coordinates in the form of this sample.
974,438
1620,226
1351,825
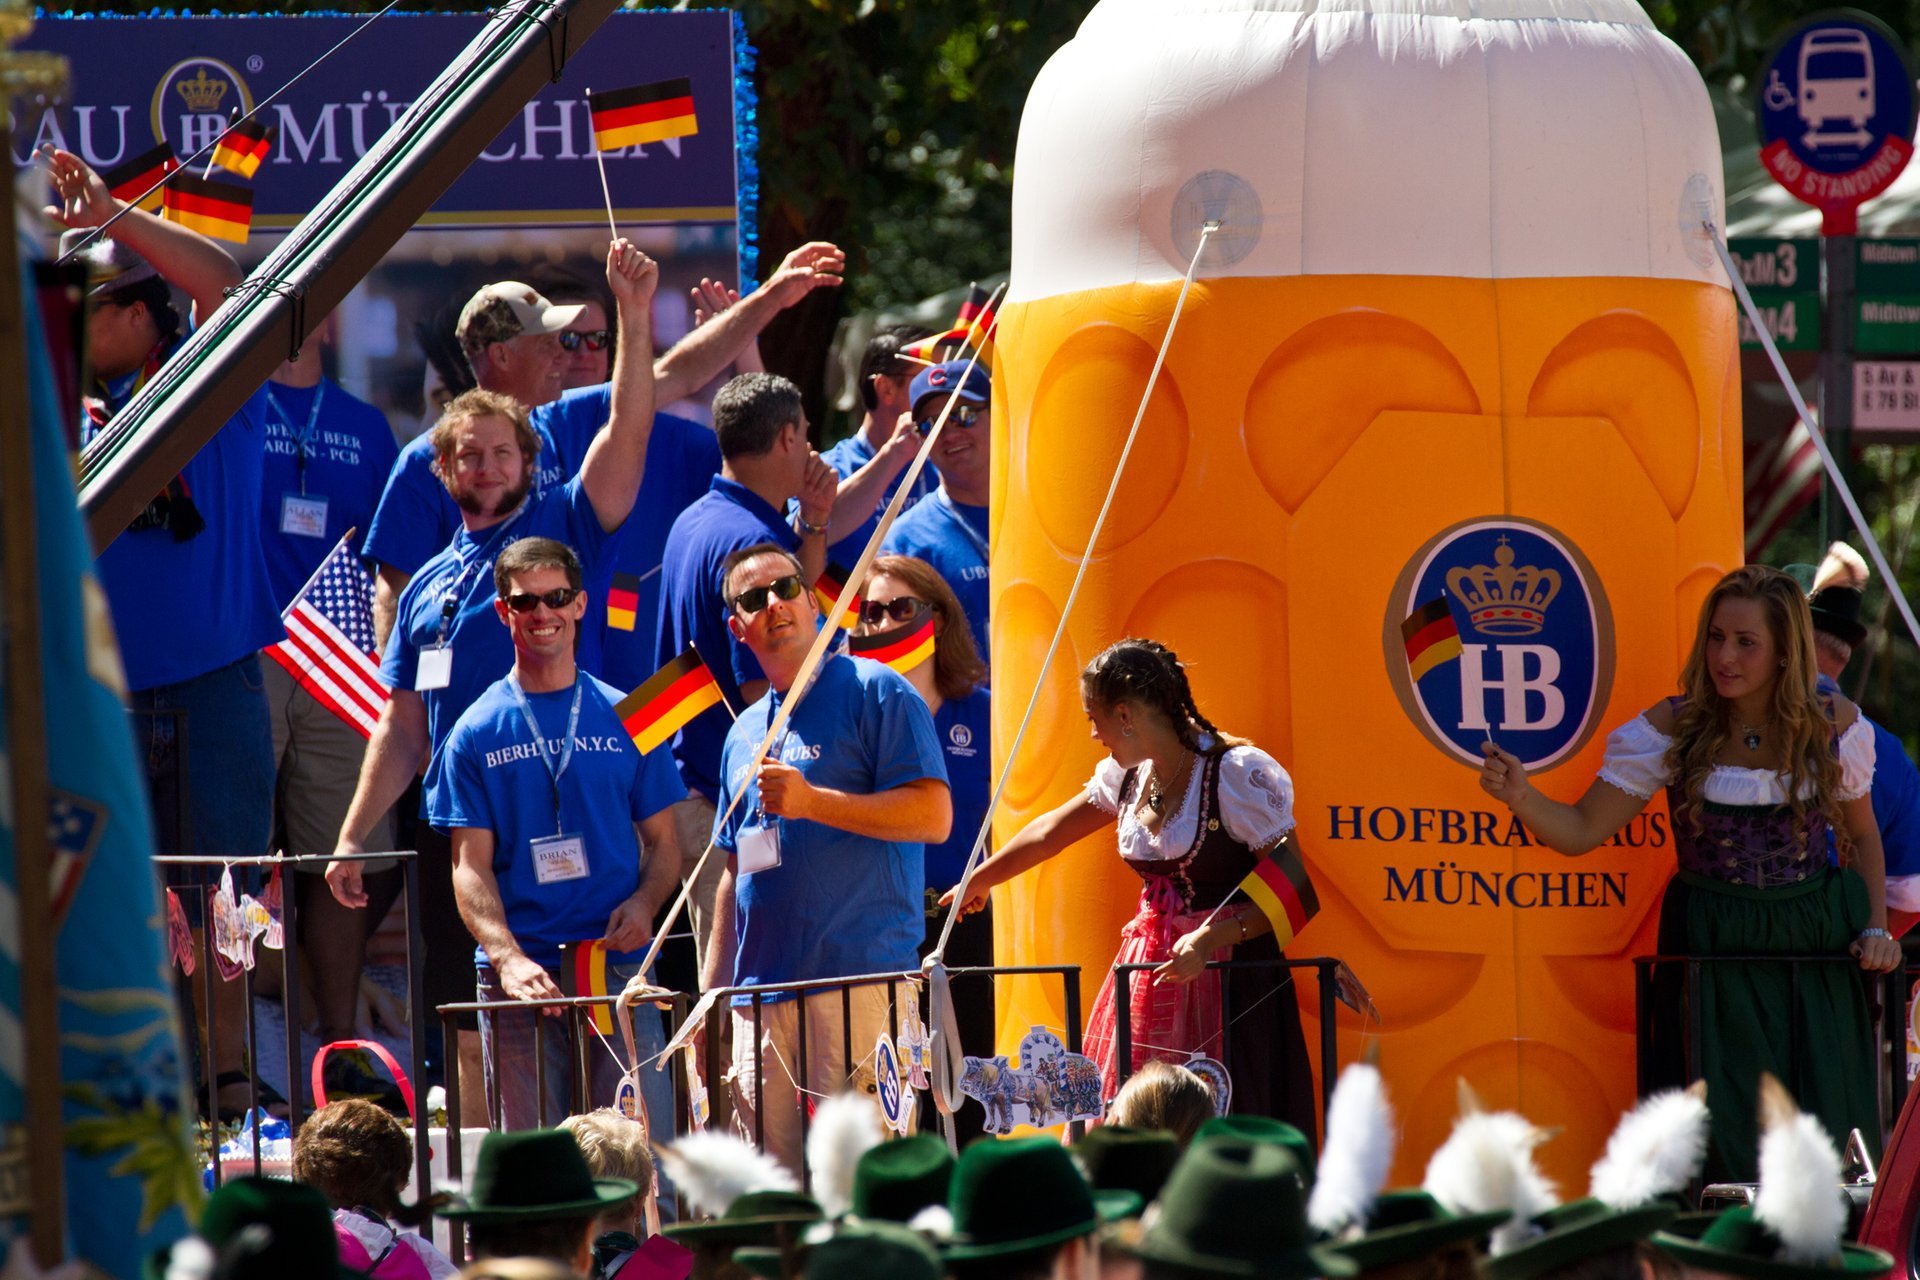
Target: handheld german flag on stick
137,180
902,648
672,696
630,117
218,209
1280,887
583,972
976,320
244,148
1431,637
826,590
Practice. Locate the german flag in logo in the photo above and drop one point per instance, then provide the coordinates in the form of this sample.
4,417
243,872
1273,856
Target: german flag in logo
132,179
623,601
217,209
1430,636
672,696
827,588
243,148
644,113
902,648
1280,887
583,972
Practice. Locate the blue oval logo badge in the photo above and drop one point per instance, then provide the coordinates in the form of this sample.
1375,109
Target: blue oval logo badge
1499,628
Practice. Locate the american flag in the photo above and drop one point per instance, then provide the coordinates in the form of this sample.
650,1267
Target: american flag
329,647
1783,475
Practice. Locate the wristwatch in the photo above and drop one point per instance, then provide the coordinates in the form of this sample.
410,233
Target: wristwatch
809,528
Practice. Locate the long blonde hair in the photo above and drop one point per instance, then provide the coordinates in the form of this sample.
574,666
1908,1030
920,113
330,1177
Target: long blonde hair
1702,724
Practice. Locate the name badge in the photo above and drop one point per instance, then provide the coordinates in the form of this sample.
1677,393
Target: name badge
435,670
758,849
303,516
557,858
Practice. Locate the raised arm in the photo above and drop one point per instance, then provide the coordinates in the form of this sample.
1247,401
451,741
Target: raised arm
697,358
185,259
616,460
1566,828
862,493
1050,833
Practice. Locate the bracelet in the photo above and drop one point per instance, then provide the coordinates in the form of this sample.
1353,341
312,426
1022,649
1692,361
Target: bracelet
1242,921
1873,933
810,529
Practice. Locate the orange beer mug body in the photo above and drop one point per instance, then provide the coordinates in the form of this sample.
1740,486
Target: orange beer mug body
1446,447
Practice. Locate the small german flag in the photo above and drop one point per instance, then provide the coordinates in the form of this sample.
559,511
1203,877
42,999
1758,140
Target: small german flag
644,113
1431,637
130,181
827,588
976,320
583,972
672,696
217,209
623,601
243,148
1280,886
937,347
902,648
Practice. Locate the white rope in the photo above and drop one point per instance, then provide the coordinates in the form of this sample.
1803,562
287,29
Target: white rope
1819,436
949,1064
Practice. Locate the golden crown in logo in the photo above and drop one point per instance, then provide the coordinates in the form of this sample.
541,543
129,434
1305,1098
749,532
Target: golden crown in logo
1503,599
203,93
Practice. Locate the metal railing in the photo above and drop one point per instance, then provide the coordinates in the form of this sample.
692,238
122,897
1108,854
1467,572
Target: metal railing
1323,967
211,867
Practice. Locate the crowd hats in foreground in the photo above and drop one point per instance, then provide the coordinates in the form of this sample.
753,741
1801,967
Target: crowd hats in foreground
1012,1195
536,1173
257,1229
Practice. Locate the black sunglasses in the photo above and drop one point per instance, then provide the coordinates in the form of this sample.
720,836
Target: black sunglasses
754,599
558,598
963,416
902,609
595,339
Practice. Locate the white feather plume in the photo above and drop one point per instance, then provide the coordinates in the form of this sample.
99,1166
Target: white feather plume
845,1127
1359,1151
191,1258
1799,1197
934,1221
1656,1150
1843,567
715,1169
1486,1164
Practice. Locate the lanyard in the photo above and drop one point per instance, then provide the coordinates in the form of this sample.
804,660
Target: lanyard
953,515
305,433
482,560
554,771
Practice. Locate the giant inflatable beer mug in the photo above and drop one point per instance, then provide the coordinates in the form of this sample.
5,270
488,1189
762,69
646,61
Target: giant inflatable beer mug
1446,448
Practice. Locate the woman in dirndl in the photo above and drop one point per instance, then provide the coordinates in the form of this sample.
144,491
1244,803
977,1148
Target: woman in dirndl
1758,768
1193,811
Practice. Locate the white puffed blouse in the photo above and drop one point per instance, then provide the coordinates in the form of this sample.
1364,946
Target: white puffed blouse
1256,805
1636,762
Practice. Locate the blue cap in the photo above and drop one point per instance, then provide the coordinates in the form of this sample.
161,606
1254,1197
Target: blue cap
951,377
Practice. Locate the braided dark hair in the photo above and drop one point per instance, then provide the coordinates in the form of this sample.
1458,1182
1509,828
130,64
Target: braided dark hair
1149,673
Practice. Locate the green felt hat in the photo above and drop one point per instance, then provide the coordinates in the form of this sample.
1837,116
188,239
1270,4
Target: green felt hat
895,1180
298,1243
1739,1244
852,1249
1264,1129
1405,1225
1118,1157
1575,1231
533,1174
1014,1194
756,1218
1233,1208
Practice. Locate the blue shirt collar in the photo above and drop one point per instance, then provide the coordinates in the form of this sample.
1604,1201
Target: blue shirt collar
737,493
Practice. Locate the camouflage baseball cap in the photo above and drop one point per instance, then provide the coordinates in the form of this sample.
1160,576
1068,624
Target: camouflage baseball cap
507,309
110,265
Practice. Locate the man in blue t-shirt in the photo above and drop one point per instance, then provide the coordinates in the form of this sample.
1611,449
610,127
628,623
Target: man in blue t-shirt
766,463
327,456
447,646
561,838
186,581
824,844
949,529
513,339
873,460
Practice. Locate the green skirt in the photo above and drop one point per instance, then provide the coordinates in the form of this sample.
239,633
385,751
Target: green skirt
1816,1036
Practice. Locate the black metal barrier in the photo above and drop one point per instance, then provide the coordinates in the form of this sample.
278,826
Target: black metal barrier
1893,1020
207,870
1323,967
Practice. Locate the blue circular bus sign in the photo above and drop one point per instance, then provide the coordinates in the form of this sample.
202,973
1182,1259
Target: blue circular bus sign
1835,112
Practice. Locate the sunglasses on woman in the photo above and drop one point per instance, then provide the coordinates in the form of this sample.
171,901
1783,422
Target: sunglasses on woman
754,599
903,609
595,339
558,598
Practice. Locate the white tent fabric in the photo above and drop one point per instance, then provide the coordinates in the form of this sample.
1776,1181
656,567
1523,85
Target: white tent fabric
1484,139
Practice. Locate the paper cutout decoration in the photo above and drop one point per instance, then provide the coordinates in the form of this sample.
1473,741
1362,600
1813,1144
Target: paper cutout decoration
916,1049
179,935
230,943
896,1095
256,922
276,936
1050,1086
626,1099
1215,1074
699,1109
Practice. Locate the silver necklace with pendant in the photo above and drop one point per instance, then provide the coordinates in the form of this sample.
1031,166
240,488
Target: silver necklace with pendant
1751,736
